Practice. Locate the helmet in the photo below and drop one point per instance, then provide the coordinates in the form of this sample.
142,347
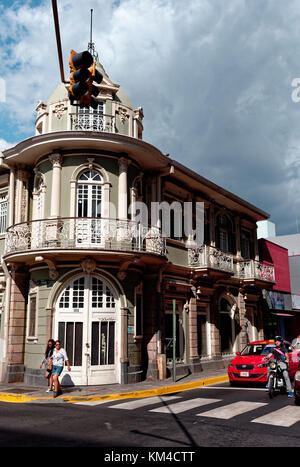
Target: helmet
278,338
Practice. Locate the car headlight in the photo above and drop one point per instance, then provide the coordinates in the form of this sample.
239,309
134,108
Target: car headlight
262,365
231,365
297,376
273,365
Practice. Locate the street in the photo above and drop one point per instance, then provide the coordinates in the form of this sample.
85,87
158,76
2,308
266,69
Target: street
212,416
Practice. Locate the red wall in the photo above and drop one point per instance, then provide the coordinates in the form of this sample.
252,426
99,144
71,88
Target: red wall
278,255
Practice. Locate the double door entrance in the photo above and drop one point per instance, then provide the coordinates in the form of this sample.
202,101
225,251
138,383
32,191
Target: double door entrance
86,324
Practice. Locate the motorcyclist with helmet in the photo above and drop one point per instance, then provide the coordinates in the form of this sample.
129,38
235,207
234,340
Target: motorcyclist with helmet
280,354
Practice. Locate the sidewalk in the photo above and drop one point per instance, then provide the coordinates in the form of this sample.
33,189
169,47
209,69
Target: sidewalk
20,393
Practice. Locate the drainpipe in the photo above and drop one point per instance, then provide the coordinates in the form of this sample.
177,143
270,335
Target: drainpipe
4,361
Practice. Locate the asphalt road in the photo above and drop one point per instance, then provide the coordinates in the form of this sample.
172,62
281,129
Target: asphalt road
214,416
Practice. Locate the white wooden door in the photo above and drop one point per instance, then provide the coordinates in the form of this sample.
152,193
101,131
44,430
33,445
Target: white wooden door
86,324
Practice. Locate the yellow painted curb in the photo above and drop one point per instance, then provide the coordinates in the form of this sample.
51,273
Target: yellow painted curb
22,398
18,398
149,392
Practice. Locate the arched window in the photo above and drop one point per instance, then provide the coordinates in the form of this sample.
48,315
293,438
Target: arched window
89,194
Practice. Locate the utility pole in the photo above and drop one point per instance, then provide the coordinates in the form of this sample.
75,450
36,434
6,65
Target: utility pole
174,340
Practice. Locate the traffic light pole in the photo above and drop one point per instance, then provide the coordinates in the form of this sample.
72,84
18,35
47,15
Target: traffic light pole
174,340
58,41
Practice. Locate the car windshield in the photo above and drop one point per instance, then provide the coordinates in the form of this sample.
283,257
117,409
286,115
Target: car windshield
257,349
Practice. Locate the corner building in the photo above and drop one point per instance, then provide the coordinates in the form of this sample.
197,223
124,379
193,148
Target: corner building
109,298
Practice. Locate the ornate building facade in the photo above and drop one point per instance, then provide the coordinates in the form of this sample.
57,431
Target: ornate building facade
76,265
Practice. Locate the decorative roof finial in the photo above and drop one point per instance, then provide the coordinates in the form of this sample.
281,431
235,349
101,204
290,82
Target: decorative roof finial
91,45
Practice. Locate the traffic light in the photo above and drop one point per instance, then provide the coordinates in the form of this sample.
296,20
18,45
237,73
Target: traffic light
83,73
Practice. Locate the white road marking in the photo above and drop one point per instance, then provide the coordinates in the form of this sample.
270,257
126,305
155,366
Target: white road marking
136,404
91,403
184,405
287,416
233,388
232,410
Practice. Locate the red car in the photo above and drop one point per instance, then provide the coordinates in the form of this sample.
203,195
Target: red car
297,388
248,364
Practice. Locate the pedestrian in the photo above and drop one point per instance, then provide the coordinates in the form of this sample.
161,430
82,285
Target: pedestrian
47,363
59,358
296,342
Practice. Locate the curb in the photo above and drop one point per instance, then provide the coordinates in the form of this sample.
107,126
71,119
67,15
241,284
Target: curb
23,398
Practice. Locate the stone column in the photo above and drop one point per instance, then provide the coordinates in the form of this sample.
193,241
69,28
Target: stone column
49,323
150,326
237,236
56,160
124,346
21,195
242,313
212,232
193,337
215,332
11,210
17,328
122,194
255,240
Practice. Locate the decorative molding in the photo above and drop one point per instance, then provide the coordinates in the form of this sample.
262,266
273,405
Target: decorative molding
59,110
91,163
56,159
88,265
123,114
33,288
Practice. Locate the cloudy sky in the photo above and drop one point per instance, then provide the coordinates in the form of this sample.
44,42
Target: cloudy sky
214,78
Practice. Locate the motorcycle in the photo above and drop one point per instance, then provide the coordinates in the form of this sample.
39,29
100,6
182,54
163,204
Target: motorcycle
276,379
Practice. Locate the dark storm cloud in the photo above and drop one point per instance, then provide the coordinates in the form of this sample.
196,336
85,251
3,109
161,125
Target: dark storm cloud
213,77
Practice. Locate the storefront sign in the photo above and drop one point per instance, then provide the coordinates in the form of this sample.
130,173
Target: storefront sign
277,300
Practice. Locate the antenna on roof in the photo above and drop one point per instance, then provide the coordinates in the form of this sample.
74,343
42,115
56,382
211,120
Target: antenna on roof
91,45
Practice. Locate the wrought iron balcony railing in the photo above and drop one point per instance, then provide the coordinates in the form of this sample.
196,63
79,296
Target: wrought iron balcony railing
92,122
84,233
210,257
252,269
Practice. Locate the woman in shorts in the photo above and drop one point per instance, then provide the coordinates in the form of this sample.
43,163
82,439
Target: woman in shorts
59,357
47,363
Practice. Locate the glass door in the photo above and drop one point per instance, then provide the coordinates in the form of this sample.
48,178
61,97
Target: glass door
89,206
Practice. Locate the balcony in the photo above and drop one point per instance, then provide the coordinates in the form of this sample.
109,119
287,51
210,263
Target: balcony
84,233
92,122
255,270
208,257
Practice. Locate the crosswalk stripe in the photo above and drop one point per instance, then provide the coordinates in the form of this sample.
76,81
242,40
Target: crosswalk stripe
183,406
232,410
287,416
136,404
91,403
235,388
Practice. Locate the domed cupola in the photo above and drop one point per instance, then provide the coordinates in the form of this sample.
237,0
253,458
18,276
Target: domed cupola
115,112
